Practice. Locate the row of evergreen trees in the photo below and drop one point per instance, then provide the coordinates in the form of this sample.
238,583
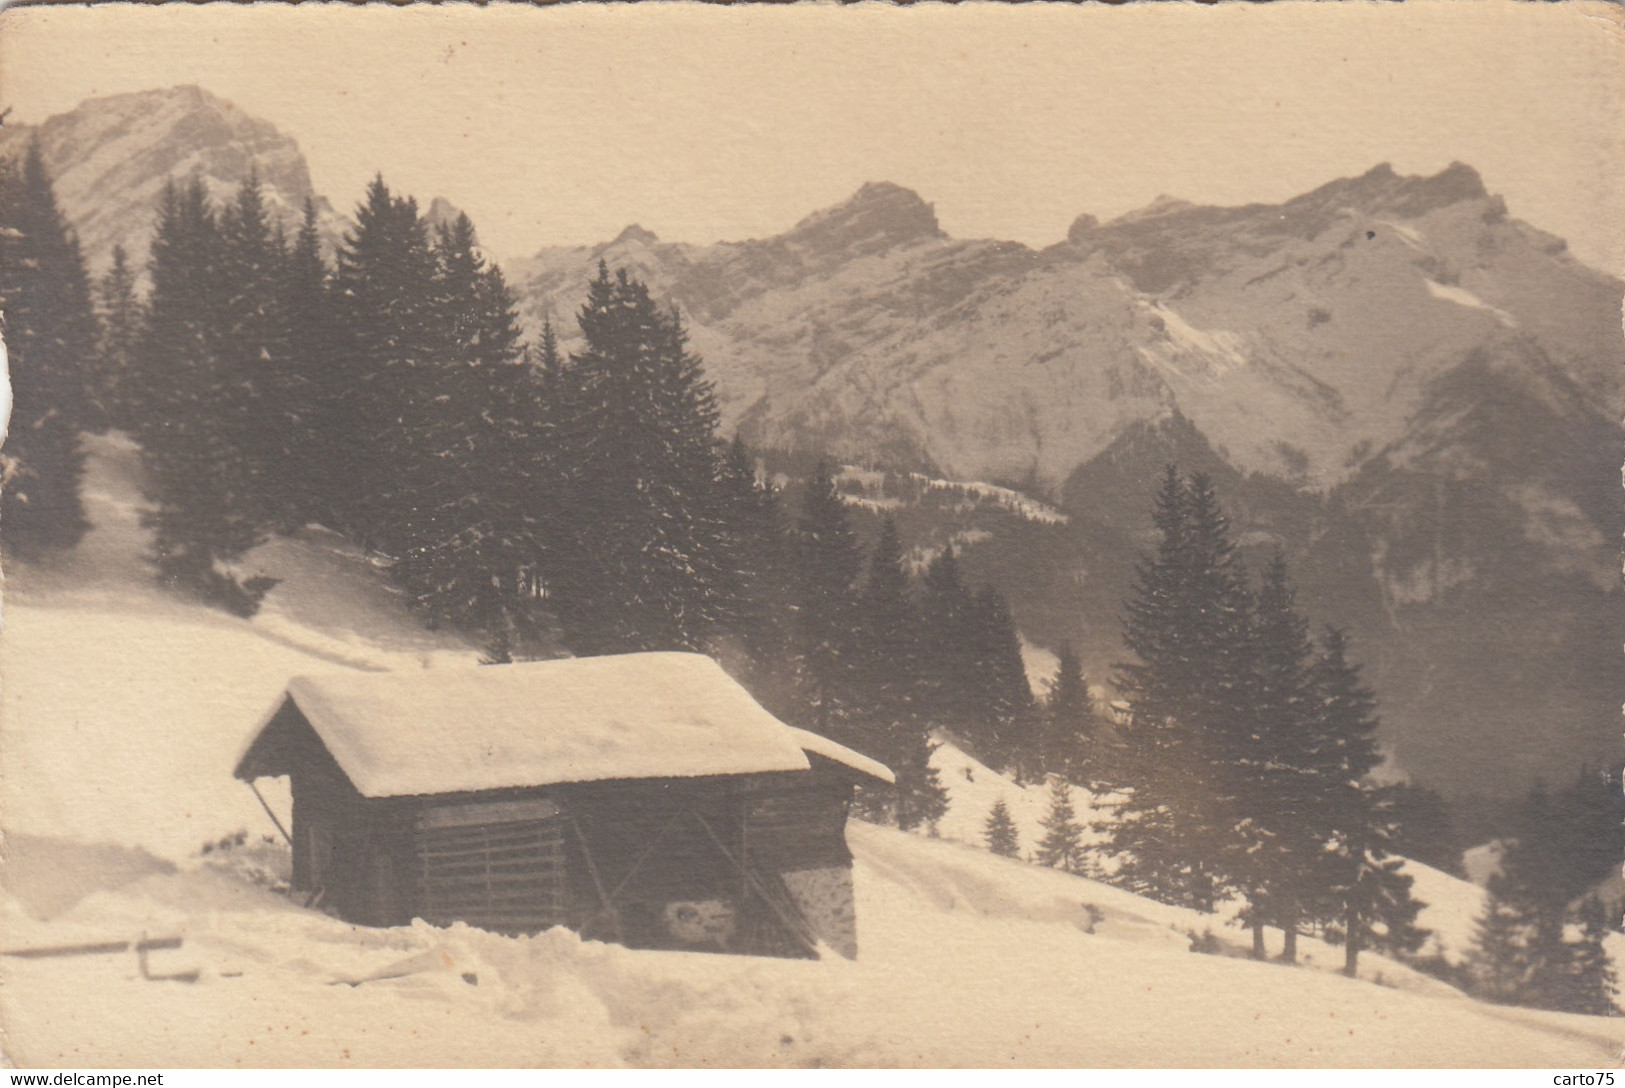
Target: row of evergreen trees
1540,940
530,498
1245,767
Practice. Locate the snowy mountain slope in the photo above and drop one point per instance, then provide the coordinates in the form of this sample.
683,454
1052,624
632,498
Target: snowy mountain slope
115,692
124,710
966,960
1411,391
1299,338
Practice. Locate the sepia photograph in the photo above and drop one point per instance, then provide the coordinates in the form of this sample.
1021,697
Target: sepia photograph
804,535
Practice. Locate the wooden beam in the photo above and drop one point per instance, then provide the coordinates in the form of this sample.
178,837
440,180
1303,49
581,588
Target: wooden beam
94,948
256,788
788,913
597,881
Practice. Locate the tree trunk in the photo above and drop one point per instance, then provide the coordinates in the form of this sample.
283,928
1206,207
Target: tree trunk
1258,940
1289,952
1351,944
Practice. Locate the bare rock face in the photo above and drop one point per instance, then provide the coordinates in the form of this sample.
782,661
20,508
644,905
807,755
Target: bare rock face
111,157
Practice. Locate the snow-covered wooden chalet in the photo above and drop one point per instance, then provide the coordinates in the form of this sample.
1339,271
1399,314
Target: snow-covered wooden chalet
642,798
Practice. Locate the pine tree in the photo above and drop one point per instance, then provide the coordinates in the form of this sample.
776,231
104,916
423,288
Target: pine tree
1070,744
758,566
384,294
1592,981
466,538
828,561
204,507
885,687
1498,964
1002,837
1188,624
1544,870
311,447
1062,844
1359,880
251,338
119,318
1282,814
949,665
50,336
1003,704
646,553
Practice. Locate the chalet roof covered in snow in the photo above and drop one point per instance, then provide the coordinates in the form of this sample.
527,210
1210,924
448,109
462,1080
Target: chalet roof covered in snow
588,719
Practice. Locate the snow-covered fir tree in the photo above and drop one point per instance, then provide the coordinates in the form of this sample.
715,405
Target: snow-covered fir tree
467,537
1070,739
1359,881
1000,831
311,443
827,562
1061,846
1187,622
889,718
384,302
50,337
119,317
192,421
642,562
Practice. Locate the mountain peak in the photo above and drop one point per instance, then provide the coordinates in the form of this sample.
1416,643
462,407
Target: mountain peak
1381,189
879,216
636,235
110,157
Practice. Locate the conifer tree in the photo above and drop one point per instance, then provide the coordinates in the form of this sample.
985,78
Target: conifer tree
1062,844
1188,624
119,317
1360,881
1002,837
1003,704
1539,887
644,567
465,536
384,295
1592,981
251,338
50,336
828,561
758,566
949,655
1282,815
885,687
1498,964
204,506
1070,736
311,445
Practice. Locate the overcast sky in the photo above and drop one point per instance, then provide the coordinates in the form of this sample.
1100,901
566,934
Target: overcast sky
562,125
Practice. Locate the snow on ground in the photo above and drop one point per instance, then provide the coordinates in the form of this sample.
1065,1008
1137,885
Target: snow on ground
1003,497
973,789
124,709
1462,297
966,959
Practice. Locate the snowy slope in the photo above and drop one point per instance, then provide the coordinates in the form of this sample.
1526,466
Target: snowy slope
124,709
116,694
966,960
